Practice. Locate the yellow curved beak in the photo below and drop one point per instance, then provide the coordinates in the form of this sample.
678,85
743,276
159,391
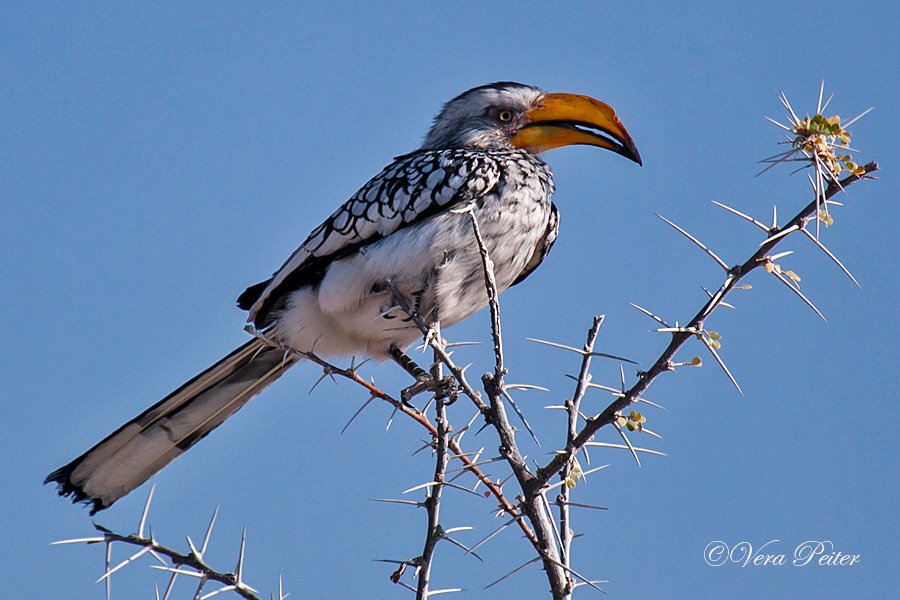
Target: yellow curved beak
567,119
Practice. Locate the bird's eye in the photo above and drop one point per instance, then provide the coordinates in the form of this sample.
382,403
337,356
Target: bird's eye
505,116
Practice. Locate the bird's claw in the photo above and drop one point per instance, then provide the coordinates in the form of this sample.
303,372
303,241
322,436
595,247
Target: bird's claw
445,386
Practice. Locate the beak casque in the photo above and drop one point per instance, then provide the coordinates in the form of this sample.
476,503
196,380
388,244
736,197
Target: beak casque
567,119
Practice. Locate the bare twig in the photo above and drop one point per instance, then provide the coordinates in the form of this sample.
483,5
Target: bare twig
490,285
709,252
566,475
191,563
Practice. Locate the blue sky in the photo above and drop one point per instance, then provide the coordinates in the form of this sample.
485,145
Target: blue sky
157,159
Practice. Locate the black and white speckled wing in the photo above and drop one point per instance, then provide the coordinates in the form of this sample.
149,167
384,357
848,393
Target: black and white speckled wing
412,188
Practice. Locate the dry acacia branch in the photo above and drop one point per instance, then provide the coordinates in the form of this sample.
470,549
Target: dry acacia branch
534,504
433,501
490,285
181,562
190,560
679,338
566,533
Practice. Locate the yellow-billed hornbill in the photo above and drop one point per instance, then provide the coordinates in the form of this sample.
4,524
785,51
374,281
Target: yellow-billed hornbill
399,234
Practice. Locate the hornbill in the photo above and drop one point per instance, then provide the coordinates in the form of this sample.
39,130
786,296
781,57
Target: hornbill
400,236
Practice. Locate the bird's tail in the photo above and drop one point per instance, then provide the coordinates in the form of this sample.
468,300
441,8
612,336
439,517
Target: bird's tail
138,449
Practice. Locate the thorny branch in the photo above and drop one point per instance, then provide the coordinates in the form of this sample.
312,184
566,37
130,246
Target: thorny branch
533,502
191,560
180,562
570,472
433,501
490,285
665,361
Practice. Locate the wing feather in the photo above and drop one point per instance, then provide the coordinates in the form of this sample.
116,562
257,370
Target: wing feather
412,188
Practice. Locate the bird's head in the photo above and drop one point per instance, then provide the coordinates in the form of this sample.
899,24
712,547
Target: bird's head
513,115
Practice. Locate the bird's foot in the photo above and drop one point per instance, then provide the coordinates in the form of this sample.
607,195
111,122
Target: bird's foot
445,386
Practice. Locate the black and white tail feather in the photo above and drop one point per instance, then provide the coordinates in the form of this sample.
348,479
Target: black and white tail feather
138,449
